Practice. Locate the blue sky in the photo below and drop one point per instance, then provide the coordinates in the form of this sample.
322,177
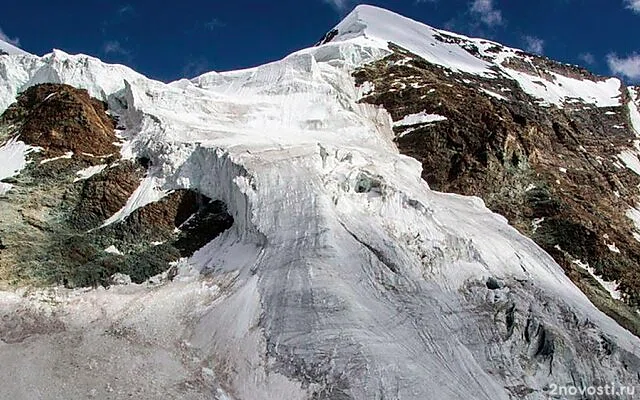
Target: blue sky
171,40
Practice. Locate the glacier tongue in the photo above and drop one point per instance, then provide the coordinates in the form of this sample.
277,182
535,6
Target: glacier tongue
344,274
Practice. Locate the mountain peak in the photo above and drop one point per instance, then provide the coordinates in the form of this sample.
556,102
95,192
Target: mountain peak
379,26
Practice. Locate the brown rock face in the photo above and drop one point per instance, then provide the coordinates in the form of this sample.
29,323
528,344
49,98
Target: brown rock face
106,193
62,119
51,221
171,211
554,173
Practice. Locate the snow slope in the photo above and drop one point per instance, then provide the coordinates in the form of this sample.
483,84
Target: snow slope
11,49
634,109
13,154
344,275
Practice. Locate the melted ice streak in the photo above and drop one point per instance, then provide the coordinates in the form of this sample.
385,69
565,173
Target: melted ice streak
374,293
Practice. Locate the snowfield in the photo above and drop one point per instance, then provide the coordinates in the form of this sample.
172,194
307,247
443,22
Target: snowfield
344,275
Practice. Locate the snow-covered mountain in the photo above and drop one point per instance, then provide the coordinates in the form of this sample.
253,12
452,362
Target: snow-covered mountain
342,275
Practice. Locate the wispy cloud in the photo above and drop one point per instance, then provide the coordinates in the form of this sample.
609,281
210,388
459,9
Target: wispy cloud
339,5
114,47
487,12
533,44
5,38
628,67
214,24
633,5
587,58
195,67
126,9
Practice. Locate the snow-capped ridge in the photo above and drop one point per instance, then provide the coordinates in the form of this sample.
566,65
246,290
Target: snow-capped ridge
380,28
11,49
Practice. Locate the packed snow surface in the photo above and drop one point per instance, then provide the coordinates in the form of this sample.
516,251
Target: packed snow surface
562,89
634,110
630,157
89,172
13,159
343,275
10,49
493,94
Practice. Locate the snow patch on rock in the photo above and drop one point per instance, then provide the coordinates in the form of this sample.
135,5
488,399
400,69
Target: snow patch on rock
13,159
148,192
88,172
419,118
610,287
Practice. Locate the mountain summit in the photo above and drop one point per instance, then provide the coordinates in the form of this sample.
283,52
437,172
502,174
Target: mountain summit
398,212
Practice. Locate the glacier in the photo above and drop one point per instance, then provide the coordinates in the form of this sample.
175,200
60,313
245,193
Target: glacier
343,277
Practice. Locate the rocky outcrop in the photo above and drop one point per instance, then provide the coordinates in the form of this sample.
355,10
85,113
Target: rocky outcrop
61,119
52,221
555,173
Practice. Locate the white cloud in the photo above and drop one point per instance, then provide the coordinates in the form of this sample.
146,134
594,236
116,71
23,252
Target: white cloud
628,67
534,44
587,58
487,12
5,38
633,5
340,5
